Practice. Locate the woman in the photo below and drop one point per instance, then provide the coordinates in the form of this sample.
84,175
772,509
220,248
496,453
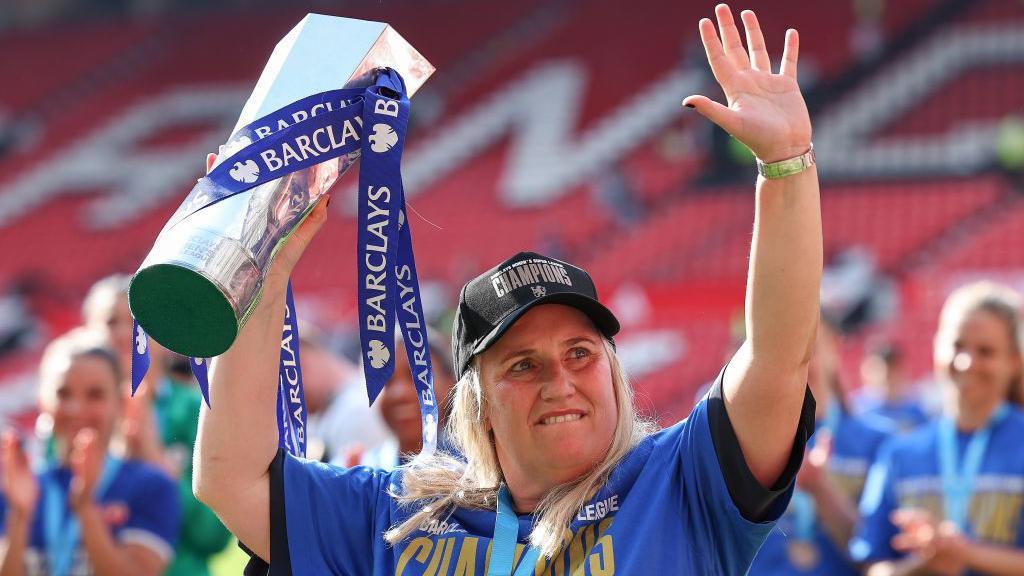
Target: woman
159,422
543,413
813,536
949,497
87,512
400,409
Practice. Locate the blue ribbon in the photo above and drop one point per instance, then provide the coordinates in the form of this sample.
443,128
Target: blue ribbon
60,527
291,413
140,354
386,274
313,130
958,485
506,534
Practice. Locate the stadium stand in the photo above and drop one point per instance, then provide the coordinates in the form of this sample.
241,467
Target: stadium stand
146,99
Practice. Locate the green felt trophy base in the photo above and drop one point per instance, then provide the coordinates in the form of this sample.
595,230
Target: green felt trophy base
183,310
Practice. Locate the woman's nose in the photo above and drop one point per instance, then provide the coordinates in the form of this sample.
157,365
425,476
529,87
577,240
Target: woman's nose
558,382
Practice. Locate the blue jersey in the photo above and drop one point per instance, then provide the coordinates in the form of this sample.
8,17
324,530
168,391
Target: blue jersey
906,474
906,415
855,443
666,509
147,498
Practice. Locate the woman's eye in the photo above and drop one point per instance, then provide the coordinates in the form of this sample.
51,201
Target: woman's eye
580,353
521,366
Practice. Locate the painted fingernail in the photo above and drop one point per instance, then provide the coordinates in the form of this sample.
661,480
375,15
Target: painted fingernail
689,105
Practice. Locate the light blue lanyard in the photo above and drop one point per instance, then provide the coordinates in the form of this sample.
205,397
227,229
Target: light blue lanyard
802,504
61,528
506,534
958,485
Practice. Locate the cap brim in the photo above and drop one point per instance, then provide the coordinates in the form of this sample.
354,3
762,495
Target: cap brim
603,319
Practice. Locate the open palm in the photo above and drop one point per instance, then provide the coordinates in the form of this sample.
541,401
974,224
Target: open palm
765,111
20,487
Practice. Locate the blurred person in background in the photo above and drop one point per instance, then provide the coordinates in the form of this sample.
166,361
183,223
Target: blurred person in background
159,422
948,498
87,511
338,418
105,311
886,391
813,535
176,405
400,408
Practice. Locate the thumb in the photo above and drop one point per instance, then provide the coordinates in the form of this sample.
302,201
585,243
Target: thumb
713,111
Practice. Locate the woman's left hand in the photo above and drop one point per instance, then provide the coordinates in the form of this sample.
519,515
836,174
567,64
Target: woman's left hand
766,111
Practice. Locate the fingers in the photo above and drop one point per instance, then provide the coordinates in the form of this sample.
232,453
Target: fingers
731,37
755,42
82,449
713,111
915,541
790,54
312,224
721,66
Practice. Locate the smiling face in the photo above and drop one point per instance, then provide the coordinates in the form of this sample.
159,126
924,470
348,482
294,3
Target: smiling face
977,354
82,394
550,401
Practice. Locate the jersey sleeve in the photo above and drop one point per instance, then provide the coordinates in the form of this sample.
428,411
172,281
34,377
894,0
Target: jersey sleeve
724,507
755,502
329,514
871,543
154,515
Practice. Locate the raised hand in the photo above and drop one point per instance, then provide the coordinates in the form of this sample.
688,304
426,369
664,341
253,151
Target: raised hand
765,111
20,487
86,463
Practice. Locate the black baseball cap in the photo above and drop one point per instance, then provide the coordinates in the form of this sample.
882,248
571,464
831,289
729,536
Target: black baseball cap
490,303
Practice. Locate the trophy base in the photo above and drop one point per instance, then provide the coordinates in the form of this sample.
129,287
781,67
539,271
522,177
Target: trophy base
183,310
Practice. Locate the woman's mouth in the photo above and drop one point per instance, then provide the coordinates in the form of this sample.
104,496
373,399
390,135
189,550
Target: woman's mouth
561,419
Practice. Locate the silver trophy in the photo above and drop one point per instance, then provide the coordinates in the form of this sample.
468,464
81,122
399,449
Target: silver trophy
205,272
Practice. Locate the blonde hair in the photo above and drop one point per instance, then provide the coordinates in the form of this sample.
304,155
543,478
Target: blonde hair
999,300
440,483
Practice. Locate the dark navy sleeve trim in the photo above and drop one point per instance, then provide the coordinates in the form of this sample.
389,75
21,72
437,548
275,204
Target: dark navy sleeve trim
754,501
281,564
